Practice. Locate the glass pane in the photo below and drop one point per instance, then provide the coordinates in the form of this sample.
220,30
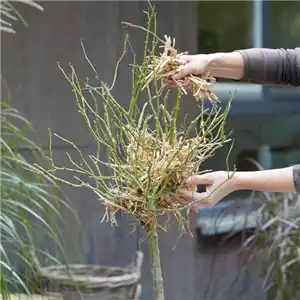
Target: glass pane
284,32
224,26
284,24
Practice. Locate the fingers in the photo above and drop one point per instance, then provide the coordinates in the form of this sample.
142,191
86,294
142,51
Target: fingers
191,196
196,203
168,83
185,58
182,71
200,179
195,206
195,200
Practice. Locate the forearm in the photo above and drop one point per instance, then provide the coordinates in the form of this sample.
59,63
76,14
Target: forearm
257,65
226,65
284,180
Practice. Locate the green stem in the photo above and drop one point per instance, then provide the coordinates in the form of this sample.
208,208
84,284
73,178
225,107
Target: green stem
158,283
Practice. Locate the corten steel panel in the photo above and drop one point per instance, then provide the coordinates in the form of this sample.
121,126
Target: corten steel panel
224,274
38,88
41,93
102,45
89,240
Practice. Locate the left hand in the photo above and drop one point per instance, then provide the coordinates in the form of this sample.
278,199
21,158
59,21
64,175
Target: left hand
218,185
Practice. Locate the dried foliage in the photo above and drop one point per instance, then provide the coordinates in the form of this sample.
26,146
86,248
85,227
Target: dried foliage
148,165
149,156
8,14
166,65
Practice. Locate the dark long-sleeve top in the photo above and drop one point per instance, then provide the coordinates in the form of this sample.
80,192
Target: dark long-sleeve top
273,66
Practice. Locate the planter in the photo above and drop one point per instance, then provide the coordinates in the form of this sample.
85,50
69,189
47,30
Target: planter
49,296
92,282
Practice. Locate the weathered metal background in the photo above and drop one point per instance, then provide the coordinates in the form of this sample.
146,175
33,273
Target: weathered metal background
43,96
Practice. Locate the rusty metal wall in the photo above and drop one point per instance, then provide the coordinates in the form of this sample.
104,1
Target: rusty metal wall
39,91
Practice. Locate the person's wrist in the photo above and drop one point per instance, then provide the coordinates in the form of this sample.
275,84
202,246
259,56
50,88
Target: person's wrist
213,62
238,181
233,180
225,65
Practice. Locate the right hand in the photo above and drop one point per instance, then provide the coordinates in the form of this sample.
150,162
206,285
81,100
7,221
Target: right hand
192,64
218,184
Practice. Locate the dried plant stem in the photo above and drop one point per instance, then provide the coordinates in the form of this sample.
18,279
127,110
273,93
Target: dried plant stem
158,283
148,165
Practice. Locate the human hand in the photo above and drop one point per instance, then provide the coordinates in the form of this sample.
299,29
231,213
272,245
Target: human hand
218,185
191,64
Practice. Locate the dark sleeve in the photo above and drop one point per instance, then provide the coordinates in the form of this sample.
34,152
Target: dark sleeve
296,177
271,66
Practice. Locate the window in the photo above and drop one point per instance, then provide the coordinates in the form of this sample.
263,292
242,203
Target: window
224,26
283,28
284,24
243,162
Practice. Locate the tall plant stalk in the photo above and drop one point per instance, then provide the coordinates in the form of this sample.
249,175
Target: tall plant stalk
158,282
149,154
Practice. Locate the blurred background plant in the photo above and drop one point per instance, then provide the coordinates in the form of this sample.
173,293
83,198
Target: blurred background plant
276,243
9,14
30,205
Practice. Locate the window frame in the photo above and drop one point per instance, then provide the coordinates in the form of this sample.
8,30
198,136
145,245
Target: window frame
246,93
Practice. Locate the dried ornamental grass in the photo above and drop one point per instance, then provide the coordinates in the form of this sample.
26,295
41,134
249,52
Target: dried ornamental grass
160,167
147,164
277,243
9,13
166,65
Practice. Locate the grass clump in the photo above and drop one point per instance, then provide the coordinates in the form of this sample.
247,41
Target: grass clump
167,64
30,207
276,243
9,14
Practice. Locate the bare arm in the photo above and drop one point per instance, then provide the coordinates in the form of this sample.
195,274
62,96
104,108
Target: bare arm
258,65
286,180
218,185
226,65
